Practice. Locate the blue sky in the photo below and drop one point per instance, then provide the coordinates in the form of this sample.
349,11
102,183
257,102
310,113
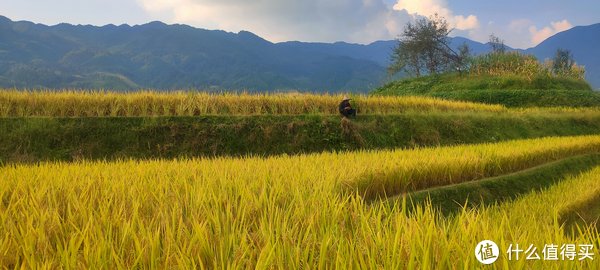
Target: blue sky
521,24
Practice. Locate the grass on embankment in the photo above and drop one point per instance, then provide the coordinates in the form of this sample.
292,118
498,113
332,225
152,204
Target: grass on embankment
510,91
525,98
454,198
67,139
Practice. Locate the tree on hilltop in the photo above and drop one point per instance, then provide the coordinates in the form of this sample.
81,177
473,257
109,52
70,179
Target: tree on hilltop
424,48
563,62
497,44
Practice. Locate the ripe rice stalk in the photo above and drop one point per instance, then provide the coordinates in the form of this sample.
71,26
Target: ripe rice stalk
148,103
278,212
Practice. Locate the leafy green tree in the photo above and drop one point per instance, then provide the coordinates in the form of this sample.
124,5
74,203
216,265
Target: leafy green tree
424,48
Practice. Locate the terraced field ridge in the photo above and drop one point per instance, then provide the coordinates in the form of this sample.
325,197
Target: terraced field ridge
394,172
70,126
454,198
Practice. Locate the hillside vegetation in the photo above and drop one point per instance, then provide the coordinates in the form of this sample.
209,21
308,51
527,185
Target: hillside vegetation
455,82
283,212
510,91
511,79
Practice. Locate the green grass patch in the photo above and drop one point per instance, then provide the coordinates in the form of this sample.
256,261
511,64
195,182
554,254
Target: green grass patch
526,98
26,140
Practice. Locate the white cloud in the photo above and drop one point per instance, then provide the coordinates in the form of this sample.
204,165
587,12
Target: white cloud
521,33
430,7
282,20
539,35
519,25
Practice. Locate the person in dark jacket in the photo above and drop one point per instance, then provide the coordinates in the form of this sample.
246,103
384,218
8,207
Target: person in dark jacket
346,109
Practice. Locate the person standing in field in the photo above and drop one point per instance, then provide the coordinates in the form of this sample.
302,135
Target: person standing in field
346,109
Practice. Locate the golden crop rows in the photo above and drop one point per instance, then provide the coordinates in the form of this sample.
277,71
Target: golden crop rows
149,103
284,212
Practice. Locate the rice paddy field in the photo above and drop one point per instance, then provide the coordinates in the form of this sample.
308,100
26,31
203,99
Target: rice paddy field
329,210
150,103
282,212
77,103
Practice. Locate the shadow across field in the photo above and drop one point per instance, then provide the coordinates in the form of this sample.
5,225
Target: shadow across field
582,216
454,198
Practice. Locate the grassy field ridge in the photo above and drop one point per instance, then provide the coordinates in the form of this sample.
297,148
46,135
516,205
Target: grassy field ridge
453,198
68,139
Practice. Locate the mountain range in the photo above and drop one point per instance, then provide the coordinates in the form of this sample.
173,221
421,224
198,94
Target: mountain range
161,56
